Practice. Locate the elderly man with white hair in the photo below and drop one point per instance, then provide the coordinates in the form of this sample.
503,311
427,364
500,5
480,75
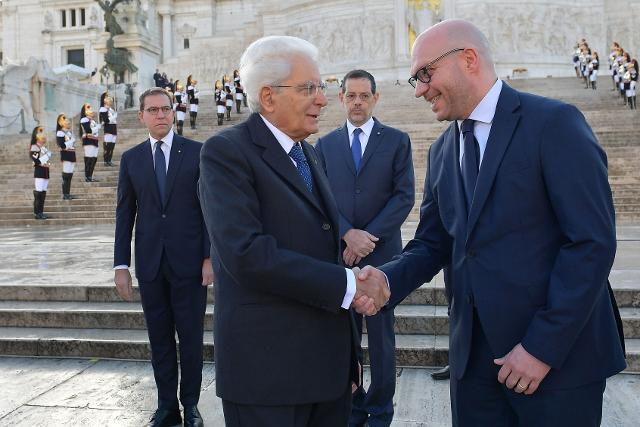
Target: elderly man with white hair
285,343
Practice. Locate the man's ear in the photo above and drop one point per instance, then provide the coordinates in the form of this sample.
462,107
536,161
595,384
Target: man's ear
266,99
471,59
140,113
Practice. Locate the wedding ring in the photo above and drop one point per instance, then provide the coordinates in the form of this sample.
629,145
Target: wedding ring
522,387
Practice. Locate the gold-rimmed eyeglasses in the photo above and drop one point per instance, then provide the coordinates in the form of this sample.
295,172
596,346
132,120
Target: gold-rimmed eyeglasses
423,73
309,89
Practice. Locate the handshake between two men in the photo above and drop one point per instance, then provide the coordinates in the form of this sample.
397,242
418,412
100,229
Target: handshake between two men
372,290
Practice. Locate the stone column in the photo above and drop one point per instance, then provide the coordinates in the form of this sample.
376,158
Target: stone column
167,36
401,35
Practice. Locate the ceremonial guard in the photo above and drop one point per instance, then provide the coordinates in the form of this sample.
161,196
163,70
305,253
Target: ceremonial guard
67,143
630,78
193,94
229,101
593,70
180,106
40,157
220,98
239,96
89,129
108,117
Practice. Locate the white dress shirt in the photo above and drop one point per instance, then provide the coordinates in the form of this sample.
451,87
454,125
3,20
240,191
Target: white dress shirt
366,128
287,144
483,115
167,141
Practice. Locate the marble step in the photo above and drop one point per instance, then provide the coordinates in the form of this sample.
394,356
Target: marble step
411,350
410,319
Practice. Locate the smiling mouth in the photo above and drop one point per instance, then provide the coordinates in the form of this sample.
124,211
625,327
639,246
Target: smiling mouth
434,99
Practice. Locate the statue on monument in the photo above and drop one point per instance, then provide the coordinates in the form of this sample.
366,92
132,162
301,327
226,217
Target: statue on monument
117,59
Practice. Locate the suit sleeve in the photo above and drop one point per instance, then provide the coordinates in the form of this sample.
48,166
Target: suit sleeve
574,170
125,215
343,224
246,252
395,212
425,255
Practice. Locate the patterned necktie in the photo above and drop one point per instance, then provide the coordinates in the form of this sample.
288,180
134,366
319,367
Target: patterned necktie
356,148
469,160
303,167
161,169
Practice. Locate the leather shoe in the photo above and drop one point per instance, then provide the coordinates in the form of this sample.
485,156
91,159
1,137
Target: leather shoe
165,418
441,374
192,417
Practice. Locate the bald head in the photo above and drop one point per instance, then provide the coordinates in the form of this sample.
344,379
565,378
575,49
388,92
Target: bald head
457,33
452,68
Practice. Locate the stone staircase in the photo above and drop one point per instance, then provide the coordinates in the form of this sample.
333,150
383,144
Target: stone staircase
58,299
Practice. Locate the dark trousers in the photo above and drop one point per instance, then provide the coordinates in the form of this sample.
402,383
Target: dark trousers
171,304
478,399
334,413
375,405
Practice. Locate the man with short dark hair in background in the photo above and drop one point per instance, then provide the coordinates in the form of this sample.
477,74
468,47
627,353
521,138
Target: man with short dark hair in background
370,170
158,191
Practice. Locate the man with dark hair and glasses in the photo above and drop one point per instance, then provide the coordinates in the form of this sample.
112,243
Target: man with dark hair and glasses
158,191
517,203
370,170
285,340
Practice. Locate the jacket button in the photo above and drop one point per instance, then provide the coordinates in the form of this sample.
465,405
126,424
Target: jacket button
326,226
164,215
358,191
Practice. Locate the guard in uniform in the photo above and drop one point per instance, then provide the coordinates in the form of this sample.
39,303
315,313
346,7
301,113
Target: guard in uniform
89,129
180,106
67,143
40,157
220,98
239,96
229,101
193,94
108,117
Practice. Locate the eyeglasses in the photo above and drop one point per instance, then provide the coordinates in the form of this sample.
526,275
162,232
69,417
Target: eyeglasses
364,97
423,73
311,89
166,109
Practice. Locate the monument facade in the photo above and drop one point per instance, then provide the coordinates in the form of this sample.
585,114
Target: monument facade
206,37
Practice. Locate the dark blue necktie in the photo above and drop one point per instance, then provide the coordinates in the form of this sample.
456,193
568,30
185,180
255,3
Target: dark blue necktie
161,169
356,148
302,165
469,160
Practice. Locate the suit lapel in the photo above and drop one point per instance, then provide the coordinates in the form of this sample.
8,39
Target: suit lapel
146,163
504,123
377,133
345,149
175,161
277,159
321,184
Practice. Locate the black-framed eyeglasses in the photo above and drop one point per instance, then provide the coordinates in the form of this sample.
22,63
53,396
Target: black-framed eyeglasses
423,73
310,89
166,109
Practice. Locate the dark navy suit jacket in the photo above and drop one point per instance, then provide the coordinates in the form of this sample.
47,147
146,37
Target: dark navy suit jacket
380,196
534,253
175,226
280,334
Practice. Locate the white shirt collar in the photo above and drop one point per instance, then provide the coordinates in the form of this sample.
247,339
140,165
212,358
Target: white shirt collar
167,140
367,127
285,140
486,109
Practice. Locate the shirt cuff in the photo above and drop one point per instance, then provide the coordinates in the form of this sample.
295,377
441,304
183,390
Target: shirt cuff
351,289
121,267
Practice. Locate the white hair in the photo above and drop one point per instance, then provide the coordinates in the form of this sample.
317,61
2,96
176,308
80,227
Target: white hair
267,61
